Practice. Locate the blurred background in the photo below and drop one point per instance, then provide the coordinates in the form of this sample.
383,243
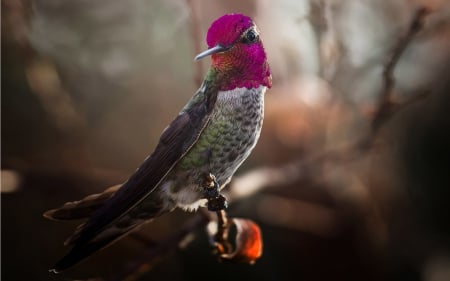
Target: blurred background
349,181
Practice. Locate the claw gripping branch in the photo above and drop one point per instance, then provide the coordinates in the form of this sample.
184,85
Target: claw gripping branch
216,201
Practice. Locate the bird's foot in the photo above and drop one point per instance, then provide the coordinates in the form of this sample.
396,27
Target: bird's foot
216,201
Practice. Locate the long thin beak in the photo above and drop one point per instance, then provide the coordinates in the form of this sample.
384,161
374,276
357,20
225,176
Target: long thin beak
216,49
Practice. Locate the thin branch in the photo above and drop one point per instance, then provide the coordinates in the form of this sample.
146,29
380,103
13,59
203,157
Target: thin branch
153,253
262,178
221,237
196,39
384,104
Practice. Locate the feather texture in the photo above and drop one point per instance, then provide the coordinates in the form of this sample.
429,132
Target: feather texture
83,208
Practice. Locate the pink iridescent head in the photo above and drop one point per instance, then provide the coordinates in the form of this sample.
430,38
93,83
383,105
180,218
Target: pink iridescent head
237,53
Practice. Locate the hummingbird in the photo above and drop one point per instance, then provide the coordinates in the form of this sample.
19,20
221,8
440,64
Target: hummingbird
209,139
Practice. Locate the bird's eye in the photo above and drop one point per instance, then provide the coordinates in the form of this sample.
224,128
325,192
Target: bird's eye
251,36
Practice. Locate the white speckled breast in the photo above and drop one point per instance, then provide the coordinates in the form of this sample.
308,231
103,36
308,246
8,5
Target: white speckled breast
227,140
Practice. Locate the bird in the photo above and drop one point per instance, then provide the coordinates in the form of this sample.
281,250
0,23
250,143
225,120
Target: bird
204,145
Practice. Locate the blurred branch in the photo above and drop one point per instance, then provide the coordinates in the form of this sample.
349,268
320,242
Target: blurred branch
384,104
41,73
299,215
180,239
196,39
291,173
330,49
135,269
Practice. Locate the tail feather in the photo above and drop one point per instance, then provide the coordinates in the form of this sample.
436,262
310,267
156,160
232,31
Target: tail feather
98,239
72,238
82,251
83,208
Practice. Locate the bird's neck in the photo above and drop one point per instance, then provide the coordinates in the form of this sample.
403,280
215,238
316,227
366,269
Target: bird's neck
231,72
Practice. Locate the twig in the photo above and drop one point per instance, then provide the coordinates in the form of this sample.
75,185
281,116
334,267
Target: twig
258,179
221,237
196,39
156,250
140,266
384,104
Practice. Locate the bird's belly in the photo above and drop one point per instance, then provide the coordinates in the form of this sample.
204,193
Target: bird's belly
228,139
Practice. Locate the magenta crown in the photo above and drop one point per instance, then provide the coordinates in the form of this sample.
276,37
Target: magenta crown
227,29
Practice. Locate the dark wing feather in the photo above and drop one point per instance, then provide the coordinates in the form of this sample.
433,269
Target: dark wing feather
83,208
175,142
